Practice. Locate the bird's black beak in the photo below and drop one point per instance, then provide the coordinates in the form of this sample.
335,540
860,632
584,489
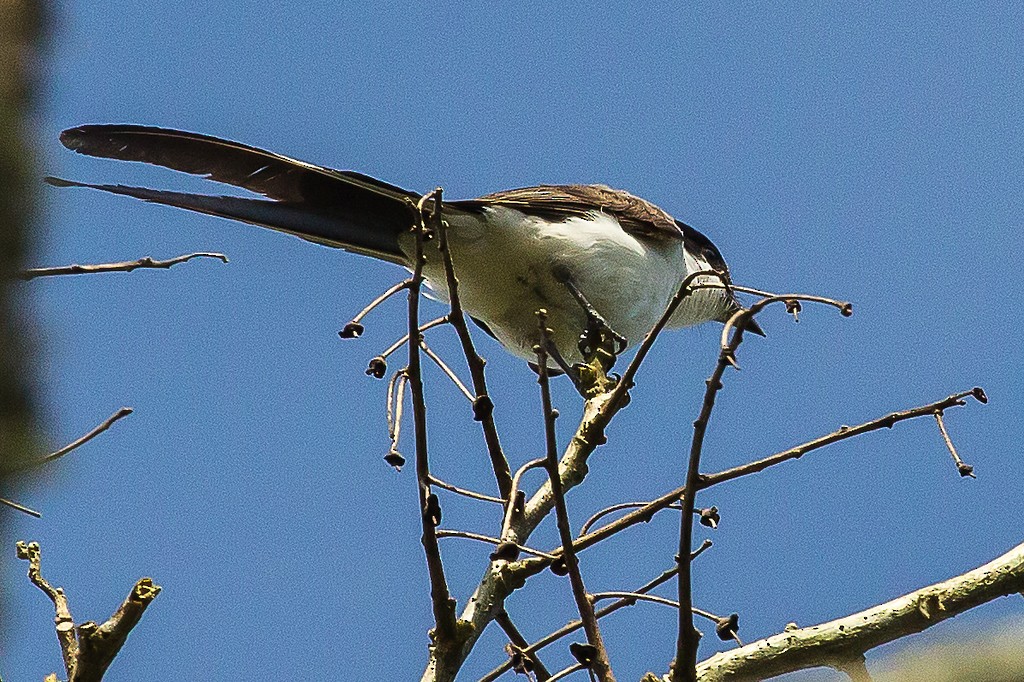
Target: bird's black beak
753,327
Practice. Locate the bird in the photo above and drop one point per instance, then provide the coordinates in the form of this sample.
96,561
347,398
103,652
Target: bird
597,259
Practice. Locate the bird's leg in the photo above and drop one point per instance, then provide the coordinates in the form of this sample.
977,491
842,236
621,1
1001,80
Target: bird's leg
599,343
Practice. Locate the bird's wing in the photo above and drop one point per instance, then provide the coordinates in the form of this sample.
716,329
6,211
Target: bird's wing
559,202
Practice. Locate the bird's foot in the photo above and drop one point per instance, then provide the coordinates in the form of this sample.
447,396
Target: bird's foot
592,379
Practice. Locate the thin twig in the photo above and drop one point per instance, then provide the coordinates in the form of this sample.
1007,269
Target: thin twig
19,507
434,480
614,508
483,406
390,350
395,407
466,535
600,665
446,369
512,509
684,290
519,643
126,266
354,328
106,424
964,468
441,600
575,625
684,667
564,673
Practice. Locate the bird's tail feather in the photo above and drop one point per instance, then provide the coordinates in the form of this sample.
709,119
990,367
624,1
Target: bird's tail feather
312,224
337,208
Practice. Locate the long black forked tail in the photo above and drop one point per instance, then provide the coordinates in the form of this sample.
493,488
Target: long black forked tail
337,208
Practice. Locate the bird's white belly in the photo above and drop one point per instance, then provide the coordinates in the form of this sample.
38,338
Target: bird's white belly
505,266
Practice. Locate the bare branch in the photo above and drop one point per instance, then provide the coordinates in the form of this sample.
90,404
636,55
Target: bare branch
441,600
964,468
575,625
126,266
589,523
599,665
19,507
64,624
840,641
519,644
107,423
446,369
448,533
395,407
378,365
434,480
483,406
562,674
686,287
99,644
644,514
354,329
515,509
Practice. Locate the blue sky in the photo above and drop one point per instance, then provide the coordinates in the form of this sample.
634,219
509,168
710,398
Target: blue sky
867,153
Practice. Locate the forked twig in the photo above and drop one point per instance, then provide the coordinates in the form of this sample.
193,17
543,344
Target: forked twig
89,648
685,664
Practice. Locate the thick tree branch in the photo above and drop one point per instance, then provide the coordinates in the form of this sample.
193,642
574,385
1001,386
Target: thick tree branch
838,642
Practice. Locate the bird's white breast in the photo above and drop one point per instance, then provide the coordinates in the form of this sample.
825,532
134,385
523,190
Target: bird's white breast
505,260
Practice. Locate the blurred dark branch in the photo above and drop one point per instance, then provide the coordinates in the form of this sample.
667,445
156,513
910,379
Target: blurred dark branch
126,266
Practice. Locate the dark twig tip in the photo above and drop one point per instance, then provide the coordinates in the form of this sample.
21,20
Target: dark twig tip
965,470
506,551
979,394
583,653
846,309
727,627
710,517
558,567
483,408
432,512
352,330
377,367
395,459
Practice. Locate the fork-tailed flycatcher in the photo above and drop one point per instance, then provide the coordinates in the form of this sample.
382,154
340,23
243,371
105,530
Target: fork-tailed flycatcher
582,252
